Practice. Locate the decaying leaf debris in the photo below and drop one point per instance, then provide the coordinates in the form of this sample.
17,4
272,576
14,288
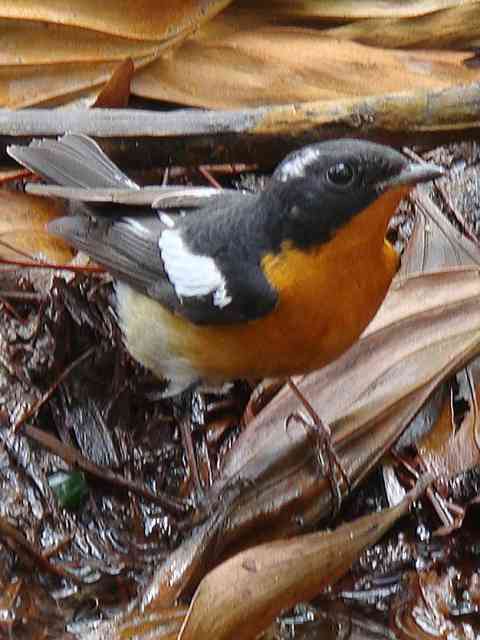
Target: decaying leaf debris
72,396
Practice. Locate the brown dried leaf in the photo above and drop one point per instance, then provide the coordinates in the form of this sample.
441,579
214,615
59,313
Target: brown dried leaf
228,66
242,596
141,20
347,10
54,51
435,242
446,451
242,58
26,42
116,92
452,24
455,27
367,397
22,228
28,85
443,431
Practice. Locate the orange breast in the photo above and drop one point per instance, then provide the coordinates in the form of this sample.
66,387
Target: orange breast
327,296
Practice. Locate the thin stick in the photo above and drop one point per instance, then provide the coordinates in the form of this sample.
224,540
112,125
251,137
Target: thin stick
73,457
208,177
46,396
9,531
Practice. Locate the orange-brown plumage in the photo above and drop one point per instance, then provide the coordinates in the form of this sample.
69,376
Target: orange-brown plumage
327,296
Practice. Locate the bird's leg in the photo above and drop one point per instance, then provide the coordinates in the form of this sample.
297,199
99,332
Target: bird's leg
181,405
328,459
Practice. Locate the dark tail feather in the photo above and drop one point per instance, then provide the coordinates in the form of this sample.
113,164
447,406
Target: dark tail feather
72,161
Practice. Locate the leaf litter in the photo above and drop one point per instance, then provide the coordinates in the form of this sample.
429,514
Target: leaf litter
78,401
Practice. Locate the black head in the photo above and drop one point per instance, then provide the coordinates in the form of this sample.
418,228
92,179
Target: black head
321,187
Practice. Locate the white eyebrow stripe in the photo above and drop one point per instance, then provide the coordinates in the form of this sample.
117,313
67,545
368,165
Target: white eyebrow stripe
295,167
191,274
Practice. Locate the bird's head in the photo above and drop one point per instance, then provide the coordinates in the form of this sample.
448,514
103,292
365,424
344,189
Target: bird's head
324,186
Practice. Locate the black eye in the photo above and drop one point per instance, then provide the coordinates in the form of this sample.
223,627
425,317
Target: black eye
341,174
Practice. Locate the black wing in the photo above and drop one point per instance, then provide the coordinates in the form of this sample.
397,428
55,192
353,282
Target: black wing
150,250
198,287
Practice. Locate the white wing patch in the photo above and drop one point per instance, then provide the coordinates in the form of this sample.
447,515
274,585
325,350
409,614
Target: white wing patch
136,223
191,274
167,220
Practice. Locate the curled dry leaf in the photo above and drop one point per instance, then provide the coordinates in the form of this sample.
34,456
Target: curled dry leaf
54,50
242,596
448,451
242,57
421,25
389,375
456,27
116,92
22,228
225,66
348,10
26,85
26,42
140,20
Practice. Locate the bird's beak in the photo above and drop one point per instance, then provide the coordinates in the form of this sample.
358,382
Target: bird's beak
414,173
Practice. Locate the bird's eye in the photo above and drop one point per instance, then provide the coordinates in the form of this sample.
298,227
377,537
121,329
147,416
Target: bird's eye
341,174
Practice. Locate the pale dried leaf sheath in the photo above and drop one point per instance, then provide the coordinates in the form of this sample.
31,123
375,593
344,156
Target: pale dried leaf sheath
38,74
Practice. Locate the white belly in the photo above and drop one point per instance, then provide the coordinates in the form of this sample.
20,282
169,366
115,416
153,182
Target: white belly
147,338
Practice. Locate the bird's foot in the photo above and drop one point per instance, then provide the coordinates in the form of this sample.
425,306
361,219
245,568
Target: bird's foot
329,463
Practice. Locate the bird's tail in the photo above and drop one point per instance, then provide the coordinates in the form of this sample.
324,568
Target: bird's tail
71,161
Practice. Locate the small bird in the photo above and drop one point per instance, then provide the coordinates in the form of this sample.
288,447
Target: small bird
217,285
